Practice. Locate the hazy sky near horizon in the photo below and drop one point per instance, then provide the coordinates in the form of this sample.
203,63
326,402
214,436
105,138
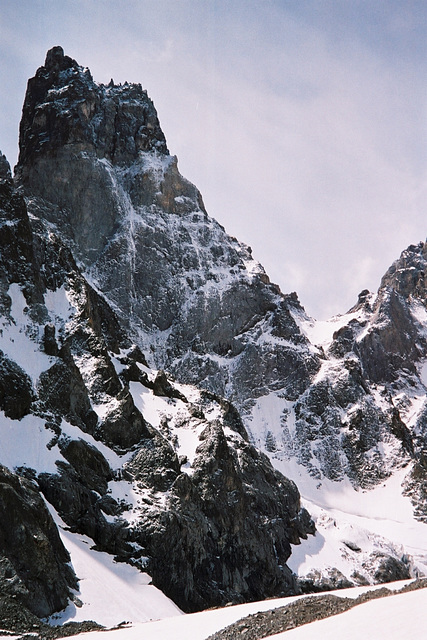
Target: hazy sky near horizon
303,123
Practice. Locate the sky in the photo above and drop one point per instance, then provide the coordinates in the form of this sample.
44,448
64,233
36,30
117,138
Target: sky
303,123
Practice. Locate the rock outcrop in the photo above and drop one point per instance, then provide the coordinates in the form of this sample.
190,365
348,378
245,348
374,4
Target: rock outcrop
193,297
34,564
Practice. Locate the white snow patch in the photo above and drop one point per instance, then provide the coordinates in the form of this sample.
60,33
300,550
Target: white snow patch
110,592
24,444
393,618
423,373
320,332
419,311
268,417
59,304
199,626
152,407
382,516
19,339
188,441
123,491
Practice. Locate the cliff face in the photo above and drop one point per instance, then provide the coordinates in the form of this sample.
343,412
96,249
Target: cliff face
193,298
161,476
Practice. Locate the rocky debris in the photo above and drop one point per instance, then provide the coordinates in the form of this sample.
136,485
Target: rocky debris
327,580
303,611
378,568
34,565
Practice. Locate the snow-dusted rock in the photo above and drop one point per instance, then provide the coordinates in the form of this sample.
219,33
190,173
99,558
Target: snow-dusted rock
118,249
34,564
159,475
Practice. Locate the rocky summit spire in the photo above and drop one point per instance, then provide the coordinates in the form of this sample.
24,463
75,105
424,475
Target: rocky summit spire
183,287
72,132
5,173
56,60
64,106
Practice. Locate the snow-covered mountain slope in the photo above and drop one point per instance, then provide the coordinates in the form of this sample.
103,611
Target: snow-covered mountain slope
108,592
384,618
201,307
117,274
195,300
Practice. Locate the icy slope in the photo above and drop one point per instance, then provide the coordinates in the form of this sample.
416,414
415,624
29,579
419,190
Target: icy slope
109,592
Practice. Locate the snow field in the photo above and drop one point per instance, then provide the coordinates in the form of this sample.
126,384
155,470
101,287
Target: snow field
199,626
392,618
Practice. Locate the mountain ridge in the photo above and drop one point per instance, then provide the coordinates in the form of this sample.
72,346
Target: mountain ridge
116,275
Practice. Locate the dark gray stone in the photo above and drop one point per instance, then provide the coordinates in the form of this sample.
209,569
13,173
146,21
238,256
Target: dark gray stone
34,565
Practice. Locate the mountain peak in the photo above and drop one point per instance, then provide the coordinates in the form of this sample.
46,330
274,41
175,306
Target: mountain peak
65,109
57,60
407,275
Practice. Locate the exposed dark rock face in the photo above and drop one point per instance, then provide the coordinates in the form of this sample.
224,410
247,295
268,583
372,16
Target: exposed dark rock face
393,342
210,529
34,563
243,516
5,172
68,121
391,346
119,126
16,393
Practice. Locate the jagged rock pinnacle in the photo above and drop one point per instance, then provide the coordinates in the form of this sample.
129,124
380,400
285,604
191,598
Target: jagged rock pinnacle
5,173
64,107
56,60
